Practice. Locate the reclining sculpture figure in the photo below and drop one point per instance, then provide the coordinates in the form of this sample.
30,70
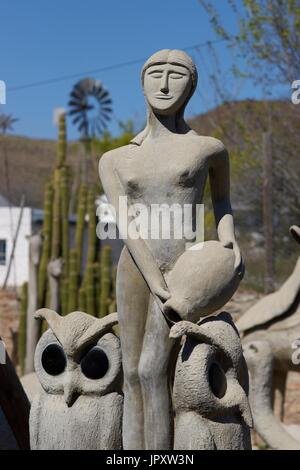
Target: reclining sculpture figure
269,329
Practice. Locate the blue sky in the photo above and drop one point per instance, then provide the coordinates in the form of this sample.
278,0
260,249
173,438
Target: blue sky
43,39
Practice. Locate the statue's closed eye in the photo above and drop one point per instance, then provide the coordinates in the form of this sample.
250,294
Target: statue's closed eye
176,76
156,73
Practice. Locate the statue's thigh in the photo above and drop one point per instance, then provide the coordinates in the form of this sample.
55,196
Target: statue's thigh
157,345
132,304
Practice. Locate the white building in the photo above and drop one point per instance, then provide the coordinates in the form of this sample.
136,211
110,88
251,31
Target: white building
31,222
9,218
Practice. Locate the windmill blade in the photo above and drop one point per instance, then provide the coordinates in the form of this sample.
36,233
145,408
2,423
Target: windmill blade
81,106
106,110
107,101
75,111
76,95
74,103
77,119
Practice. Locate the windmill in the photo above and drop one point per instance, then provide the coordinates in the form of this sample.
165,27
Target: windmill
90,108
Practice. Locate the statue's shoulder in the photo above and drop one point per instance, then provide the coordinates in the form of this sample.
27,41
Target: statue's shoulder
211,145
111,157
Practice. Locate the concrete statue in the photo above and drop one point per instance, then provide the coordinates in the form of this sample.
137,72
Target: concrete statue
269,329
211,387
78,364
259,355
159,282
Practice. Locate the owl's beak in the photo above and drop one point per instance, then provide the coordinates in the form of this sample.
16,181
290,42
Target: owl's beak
70,394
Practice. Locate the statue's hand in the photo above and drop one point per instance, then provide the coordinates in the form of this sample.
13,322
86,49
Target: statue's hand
161,292
239,264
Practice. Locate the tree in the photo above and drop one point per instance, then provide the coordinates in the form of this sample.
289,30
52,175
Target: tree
6,123
268,35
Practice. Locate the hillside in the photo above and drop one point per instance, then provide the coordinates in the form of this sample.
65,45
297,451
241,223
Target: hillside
30,164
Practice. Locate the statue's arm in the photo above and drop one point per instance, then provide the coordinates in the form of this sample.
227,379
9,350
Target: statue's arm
219,175
138,249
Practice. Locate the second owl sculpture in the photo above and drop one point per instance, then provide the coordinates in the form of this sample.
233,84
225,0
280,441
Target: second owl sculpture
210,392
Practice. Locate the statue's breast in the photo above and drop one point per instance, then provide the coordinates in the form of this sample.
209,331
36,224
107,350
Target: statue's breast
148,175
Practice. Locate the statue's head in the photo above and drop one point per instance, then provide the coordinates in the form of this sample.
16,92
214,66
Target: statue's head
169,78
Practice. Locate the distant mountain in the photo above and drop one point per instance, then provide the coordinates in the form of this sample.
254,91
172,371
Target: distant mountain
30,166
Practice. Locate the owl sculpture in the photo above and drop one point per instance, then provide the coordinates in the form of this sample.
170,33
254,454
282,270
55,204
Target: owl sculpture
210,394
78,364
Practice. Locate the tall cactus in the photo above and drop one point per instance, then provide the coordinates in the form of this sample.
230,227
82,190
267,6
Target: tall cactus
113,303
82,298
64,191
90,289
60,176
56,222
105,280
73,281
22,328
97,281
46,248
64,295
92,240
62,142
79,234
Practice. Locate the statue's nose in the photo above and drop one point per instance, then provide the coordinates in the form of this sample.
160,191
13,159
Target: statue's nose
164,86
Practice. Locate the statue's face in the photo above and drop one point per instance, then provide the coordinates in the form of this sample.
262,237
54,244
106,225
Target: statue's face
167,87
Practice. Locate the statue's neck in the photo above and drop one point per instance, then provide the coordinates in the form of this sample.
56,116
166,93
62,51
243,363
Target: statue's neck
161,126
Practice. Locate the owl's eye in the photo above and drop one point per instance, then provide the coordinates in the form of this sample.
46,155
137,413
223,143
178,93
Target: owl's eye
217,380
54,359
94,364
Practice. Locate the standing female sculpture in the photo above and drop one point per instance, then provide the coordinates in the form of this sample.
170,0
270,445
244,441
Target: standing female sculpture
167,163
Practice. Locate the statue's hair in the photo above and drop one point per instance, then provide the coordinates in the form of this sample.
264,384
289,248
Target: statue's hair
175,57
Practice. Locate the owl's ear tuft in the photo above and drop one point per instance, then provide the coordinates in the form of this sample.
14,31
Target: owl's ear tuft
51,317
45,314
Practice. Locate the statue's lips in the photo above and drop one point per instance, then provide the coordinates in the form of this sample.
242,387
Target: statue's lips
164,97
